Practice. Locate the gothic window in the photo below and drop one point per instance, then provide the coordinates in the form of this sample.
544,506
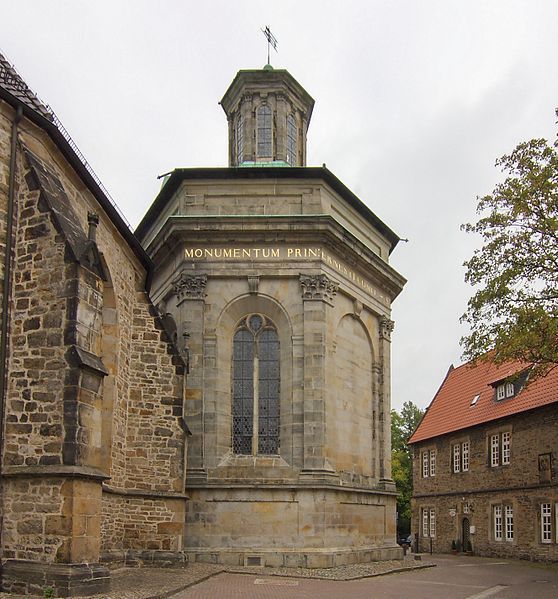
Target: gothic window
255,380
264,131
291,140
239,140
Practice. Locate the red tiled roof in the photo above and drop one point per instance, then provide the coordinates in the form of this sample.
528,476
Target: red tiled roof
451,408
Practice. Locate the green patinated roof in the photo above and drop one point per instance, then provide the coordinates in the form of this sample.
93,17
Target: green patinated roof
251,163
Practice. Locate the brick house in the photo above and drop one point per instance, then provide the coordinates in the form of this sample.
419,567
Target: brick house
485,464
92,435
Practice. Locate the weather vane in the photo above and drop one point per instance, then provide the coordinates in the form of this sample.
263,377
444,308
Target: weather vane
271,41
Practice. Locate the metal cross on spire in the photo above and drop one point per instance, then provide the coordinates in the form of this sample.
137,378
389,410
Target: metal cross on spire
271,40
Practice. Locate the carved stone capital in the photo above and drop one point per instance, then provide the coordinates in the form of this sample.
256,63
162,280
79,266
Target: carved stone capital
190,286
386,327
318,287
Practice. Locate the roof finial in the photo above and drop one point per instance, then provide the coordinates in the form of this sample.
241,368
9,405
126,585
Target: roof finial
271,41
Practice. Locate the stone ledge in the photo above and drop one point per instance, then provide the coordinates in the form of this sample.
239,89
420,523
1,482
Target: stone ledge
143,493
305,558
144,558
309,485
54,471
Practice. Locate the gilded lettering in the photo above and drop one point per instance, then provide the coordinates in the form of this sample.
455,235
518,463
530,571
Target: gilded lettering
236,253
275,253
265,253
198,253
189,253
257,252
227,253
290,252
246,253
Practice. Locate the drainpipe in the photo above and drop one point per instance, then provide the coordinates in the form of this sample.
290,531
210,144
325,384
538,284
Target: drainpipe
6,303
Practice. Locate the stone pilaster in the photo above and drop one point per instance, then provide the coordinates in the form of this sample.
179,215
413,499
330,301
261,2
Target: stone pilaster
190,300
385,327
318,292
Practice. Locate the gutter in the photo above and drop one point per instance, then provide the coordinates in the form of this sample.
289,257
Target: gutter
6,296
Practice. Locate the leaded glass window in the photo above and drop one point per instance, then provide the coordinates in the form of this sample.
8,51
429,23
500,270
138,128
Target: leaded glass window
291,140
256,381
239,140
264,132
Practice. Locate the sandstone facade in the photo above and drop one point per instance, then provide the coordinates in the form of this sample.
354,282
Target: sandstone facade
93,441
277,280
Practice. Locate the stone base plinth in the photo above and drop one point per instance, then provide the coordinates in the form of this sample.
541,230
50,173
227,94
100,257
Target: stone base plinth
150,558
290,525
285,558
67,580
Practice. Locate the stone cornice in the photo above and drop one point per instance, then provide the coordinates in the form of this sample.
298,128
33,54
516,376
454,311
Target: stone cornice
321,229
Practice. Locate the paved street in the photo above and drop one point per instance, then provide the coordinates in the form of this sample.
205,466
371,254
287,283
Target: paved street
454,577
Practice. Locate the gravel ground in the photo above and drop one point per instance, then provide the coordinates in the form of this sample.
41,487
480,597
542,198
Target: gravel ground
158,583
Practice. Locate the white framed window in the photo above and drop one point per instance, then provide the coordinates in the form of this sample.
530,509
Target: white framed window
432,462
457,458
509,523
495,450
510,390
428,522
506,447
500,392
425,525
465,456
497,520
546,523
425,464
432,516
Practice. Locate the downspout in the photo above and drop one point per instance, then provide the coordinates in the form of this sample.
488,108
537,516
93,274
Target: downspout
6,305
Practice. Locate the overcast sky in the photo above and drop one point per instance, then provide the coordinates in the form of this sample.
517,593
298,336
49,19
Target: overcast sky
414,102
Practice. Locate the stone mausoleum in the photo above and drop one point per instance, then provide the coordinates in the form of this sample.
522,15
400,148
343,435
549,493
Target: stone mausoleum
213,387
274,278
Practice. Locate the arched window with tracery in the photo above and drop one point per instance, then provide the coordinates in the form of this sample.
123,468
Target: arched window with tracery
255,382
291,140
264,132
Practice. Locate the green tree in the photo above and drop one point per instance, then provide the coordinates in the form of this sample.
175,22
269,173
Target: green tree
402,427
514,312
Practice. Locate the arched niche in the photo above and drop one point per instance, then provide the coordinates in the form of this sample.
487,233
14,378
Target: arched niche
218,396
351,411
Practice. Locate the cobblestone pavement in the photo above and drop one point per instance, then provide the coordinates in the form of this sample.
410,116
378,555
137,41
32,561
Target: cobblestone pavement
156,583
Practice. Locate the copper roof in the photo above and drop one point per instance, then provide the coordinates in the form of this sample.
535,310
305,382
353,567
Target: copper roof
452,410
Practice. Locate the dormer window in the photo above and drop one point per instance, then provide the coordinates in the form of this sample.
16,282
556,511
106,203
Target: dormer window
505,390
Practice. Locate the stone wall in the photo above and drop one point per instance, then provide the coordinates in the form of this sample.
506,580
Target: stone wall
94,439
472,494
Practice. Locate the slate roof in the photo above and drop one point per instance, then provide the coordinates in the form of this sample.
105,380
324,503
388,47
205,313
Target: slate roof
451,408
13,83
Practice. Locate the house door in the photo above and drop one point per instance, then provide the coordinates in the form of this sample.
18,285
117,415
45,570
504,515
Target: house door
465,533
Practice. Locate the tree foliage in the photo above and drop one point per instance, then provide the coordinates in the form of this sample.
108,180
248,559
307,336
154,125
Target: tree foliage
514,312
402,427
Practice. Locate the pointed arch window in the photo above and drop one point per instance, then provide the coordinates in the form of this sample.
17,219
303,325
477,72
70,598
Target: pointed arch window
291,140
255,381
264,131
